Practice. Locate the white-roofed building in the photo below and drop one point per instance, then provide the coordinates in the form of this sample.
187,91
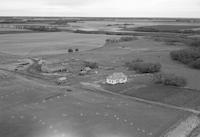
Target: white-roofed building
117,78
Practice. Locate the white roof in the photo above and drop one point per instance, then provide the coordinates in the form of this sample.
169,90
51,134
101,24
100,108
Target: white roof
62,78
117,75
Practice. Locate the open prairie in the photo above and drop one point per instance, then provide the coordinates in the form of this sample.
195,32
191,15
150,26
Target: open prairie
56,81
49,43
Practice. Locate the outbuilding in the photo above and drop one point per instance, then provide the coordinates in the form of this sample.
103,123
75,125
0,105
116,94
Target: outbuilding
117,78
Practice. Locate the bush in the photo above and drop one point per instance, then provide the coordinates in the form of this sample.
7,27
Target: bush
186,56
76,50
92,65
137,60
121,39
70,50
195,43
124,39
111,41
190,57
195,64
142,67
169,80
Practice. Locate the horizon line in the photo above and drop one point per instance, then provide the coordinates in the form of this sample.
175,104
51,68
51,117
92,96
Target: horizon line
101,17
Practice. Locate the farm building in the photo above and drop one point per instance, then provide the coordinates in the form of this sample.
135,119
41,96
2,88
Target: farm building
53,68
117,78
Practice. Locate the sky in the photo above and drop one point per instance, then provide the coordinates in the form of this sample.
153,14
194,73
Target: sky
101,8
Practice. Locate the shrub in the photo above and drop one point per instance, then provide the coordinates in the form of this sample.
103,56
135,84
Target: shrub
92,65
186,56
169,80
195,43
124,39
190,57
195,64
137,60
70,50
142,67
76,50
69,90
121,39
111,41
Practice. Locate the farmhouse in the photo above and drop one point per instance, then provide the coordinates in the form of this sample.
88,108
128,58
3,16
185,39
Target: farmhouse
117,78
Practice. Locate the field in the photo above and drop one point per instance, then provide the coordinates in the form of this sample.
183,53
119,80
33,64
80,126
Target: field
47,91
48,43
43,110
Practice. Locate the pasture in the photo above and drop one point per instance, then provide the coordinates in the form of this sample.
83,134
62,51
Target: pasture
34,44
43,110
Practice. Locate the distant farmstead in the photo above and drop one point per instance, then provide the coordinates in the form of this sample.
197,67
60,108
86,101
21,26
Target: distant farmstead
117,78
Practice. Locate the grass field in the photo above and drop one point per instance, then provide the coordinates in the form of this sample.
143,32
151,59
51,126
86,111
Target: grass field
33,104
48,43
43,111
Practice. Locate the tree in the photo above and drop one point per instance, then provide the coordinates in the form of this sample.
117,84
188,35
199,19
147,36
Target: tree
70,50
